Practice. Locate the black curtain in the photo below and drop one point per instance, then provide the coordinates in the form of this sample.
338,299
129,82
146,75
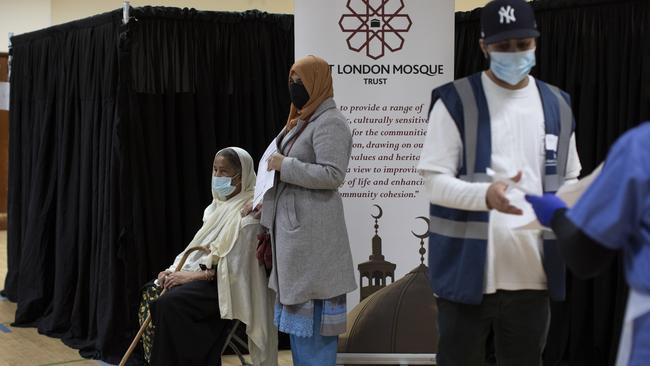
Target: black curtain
113,130
63,174
599,52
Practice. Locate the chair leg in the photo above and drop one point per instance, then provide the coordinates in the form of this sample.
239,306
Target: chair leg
239,341
232,340
230,335
239,354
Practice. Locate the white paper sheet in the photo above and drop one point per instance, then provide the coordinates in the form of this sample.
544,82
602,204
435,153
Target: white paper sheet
4,96
507,179
265,179
569,193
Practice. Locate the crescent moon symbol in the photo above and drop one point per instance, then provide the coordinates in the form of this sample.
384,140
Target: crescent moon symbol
379,215
426,233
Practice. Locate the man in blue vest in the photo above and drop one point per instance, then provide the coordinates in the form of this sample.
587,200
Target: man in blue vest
488,276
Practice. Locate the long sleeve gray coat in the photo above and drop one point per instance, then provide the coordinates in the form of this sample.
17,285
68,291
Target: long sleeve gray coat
304,212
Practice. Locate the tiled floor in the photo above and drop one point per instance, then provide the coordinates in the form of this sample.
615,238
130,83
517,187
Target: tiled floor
25,347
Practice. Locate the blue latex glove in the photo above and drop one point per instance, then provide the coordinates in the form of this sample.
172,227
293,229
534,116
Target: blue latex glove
545,206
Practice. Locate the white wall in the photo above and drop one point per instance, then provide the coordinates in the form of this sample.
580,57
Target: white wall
21,16
465,5
67,10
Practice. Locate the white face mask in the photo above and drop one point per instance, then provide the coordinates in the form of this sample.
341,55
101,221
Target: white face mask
222,187
512,67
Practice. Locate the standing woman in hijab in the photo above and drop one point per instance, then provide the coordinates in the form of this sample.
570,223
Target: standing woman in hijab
190,319
312,262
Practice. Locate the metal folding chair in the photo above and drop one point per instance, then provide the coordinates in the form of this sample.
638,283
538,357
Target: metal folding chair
234,342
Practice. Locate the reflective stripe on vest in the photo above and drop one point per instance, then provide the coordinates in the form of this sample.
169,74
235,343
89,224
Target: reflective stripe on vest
554,180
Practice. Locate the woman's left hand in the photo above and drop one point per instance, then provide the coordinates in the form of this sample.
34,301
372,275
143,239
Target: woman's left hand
180,278
248,209
275,162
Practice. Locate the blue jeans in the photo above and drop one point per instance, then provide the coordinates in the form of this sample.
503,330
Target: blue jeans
316,350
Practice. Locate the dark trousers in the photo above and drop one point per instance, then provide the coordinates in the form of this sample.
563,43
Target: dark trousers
519,320
189,329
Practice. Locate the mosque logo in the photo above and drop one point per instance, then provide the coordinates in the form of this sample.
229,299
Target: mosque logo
374,26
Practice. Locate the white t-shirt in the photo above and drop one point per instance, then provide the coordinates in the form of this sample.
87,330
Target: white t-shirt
514,257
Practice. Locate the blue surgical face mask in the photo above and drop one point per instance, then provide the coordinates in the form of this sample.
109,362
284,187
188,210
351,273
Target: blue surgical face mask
512,67
222,187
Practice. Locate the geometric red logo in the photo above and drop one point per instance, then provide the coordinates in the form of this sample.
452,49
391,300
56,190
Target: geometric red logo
375,25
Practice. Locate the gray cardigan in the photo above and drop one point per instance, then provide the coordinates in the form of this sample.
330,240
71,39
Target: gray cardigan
304,212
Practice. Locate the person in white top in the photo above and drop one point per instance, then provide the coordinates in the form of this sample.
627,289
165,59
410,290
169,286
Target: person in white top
487,275
191,318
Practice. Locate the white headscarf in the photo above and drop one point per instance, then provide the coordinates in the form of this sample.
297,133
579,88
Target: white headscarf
221,220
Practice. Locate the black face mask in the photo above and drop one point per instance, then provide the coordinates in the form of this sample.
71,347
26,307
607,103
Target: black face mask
298,95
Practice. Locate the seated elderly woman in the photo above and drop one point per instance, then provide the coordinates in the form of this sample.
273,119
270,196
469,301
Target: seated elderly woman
190,318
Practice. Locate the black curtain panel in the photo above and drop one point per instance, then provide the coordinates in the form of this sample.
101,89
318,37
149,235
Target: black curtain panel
63,192
599,52
113,132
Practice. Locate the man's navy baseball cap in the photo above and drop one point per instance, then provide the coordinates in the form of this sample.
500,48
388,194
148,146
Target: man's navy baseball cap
506,19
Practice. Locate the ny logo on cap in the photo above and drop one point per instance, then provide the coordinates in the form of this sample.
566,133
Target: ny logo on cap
507,15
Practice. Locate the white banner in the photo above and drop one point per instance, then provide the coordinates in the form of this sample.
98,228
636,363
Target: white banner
386,57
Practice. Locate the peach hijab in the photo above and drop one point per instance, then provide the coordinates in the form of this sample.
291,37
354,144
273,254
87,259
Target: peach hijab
316,76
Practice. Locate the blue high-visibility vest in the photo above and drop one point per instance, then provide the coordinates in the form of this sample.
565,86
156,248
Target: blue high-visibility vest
458,238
